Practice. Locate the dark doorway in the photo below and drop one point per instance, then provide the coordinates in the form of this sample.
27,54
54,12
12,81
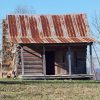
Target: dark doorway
79,63
50,58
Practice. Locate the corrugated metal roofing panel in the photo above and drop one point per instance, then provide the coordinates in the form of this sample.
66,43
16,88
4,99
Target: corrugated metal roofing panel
52,40
71,28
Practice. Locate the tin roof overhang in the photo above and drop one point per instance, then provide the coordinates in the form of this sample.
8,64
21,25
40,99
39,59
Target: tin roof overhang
71,28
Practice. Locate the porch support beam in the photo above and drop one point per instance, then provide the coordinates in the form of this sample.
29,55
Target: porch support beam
44,61
22,61
91,61
69,60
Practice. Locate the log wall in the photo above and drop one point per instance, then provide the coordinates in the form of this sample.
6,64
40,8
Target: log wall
32,59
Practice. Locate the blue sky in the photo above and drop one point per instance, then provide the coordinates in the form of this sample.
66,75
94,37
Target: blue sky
52,7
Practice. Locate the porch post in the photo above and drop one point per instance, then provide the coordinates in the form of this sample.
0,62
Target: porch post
69,60
91,63
44,61
22,60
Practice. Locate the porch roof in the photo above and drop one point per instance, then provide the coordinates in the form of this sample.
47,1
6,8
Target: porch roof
72,28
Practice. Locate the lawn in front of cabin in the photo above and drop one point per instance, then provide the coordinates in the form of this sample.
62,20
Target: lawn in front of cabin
49,90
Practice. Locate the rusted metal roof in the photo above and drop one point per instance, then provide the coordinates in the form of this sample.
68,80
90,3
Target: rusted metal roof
71,28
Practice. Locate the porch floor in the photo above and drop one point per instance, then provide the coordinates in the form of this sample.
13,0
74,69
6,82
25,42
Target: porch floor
42,77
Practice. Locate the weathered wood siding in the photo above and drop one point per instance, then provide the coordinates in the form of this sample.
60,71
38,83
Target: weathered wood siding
61,67
32,58
60,64
79,60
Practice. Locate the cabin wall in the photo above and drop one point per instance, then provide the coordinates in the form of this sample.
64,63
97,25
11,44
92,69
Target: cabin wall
60,64
60,60
32,61
79,60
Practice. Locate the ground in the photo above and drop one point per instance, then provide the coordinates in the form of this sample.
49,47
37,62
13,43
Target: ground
49,90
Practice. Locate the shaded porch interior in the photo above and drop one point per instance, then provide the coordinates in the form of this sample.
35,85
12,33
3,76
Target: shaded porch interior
52,60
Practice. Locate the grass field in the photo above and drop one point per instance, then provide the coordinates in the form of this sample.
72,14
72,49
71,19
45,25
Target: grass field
49,90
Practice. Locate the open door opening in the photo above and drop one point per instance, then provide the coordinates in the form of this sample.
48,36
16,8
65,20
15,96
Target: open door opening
50,59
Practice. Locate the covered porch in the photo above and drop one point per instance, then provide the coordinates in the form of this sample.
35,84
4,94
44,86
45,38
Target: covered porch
55,61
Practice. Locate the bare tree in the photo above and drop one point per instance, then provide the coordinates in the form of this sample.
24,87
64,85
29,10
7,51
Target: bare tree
96,34
24,10
96,27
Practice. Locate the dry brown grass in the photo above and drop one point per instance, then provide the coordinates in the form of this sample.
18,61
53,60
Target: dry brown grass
51,91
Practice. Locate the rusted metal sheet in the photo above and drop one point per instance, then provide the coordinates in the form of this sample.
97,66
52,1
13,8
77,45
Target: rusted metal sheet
52,40
71,28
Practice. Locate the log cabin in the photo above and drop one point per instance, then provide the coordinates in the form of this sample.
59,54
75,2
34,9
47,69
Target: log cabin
46,46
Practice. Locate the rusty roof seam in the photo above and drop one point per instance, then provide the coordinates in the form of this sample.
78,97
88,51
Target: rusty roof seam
49,28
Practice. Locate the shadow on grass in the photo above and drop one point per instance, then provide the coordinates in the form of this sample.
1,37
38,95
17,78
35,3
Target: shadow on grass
19,81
